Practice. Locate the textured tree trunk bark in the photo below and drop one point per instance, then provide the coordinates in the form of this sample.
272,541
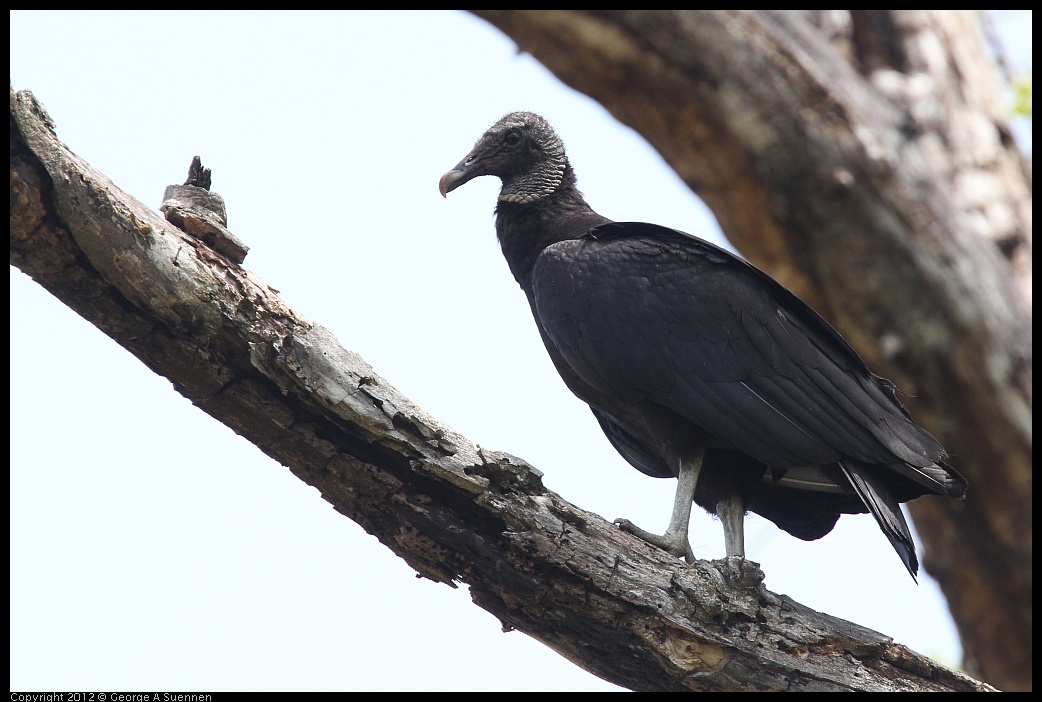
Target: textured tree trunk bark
611,603
863,159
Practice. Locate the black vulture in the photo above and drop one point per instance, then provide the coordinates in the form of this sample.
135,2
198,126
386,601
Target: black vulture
699,366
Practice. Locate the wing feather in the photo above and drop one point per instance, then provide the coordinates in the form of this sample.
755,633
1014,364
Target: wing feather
670,318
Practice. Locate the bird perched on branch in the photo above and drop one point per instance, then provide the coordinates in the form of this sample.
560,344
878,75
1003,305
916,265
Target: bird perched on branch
700,367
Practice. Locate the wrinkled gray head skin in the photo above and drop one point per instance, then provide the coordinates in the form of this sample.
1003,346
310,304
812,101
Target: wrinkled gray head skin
523,150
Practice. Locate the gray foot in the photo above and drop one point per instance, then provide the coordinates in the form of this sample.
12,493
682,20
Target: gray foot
675,543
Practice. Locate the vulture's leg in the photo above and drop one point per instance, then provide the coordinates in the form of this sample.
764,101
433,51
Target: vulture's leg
675,539
732,515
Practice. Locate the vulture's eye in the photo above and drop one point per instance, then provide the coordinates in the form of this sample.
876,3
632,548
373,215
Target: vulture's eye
512,138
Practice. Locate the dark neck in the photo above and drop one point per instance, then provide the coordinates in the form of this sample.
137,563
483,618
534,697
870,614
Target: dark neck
524,230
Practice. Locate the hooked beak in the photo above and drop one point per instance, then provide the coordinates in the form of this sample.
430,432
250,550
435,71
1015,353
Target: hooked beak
477,163
453,179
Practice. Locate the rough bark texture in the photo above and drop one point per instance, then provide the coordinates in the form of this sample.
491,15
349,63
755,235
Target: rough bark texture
861,158
607,601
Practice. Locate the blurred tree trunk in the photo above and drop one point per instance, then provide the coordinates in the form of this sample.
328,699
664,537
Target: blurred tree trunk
863,159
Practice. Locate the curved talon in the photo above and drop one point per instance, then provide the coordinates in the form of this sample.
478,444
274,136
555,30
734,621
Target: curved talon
674,544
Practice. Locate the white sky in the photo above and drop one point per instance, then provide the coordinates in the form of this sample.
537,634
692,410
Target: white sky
151,547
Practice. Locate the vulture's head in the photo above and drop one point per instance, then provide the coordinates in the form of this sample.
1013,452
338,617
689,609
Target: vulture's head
523,150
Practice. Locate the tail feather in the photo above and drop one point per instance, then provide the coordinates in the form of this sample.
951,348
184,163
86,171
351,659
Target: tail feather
886,510
939,478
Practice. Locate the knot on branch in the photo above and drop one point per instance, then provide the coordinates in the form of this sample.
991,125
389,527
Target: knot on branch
197,211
